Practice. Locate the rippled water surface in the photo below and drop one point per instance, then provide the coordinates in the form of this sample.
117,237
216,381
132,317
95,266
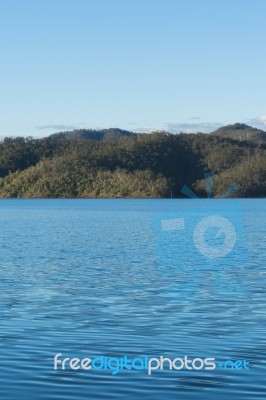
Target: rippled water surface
99,277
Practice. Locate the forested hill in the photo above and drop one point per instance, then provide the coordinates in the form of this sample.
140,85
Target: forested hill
117,163
241,132
236,131
93,134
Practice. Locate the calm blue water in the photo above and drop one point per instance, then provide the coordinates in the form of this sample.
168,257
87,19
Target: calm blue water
100,277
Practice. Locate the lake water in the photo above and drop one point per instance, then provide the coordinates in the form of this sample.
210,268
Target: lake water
88,278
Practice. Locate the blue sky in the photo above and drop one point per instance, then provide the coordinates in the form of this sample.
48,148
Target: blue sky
138,65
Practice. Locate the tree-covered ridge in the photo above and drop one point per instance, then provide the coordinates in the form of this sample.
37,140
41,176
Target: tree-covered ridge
129,165
236,131
93,134
242,132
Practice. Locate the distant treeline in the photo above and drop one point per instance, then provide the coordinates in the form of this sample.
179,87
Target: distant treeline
129,165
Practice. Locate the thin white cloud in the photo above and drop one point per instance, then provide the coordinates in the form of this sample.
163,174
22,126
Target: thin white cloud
148,129
258,122
193,127
185,127
62,127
